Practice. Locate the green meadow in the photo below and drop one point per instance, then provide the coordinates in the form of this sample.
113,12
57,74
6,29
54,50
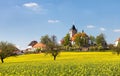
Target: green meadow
66,64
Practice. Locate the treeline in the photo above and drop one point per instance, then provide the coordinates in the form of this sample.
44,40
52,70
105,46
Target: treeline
83,42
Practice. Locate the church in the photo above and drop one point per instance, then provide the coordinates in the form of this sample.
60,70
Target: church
73,31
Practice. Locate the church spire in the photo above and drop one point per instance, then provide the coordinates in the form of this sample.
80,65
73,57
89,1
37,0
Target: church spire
73,31
82,31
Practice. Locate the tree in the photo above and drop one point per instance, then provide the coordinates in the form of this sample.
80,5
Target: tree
85,38
45,39
100,41
81,39
51,45
111,46
66,40
92,39
6,50
78,39
54,47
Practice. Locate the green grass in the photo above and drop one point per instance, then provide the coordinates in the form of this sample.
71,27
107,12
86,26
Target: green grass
67,64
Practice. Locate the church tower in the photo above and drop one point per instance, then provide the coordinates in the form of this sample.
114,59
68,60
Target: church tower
72,31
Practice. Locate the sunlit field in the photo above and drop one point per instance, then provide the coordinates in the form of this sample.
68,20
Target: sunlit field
66,64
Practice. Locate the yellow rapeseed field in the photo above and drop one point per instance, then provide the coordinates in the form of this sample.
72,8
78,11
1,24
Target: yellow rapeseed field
66,64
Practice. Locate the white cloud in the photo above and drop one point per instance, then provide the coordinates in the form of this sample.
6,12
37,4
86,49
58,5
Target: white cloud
90,26
33,6
53,21
116,30
102,29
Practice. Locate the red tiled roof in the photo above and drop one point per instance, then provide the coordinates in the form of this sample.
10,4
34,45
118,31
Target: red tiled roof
39,45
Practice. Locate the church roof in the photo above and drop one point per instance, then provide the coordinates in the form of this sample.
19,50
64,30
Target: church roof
73,28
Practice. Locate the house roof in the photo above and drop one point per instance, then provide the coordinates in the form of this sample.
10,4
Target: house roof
118,39
39,45
32,43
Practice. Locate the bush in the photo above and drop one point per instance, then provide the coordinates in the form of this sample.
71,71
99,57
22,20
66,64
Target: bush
38,50
29,52
100,48
91,48
117,50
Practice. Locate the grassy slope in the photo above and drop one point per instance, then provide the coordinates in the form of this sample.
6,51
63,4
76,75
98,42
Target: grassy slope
67,63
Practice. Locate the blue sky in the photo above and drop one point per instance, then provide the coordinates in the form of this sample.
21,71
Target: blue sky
22,21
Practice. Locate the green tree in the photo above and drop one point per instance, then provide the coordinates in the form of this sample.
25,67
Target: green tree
51,45
66,40
111,46
78,39
100,40
85,38
81,39
6,50
45,40
92,39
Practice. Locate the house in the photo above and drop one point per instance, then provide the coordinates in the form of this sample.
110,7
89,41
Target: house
30,46
34,45
39,46
117,41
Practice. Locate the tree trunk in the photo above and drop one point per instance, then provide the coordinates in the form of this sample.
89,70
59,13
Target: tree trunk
117,53
54,57
2,60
